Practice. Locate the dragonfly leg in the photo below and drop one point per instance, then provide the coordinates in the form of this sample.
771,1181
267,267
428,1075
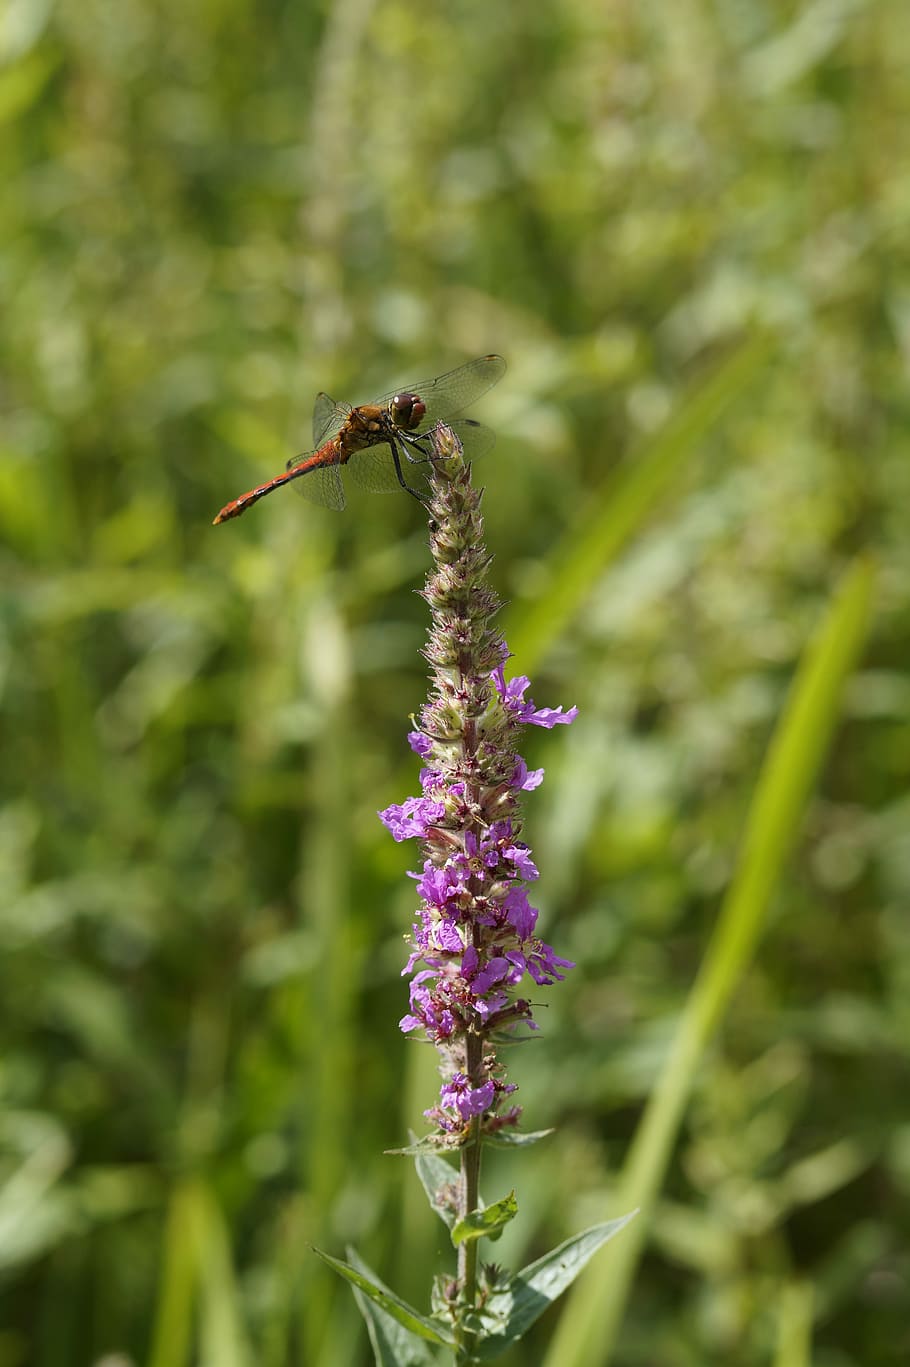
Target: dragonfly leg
420,444
401,479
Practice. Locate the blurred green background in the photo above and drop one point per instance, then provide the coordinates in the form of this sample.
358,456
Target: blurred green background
687,229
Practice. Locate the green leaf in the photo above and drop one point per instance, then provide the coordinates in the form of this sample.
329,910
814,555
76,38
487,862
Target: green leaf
399,1310
488,1223
428,1144
393,1344
512,1139
440,1182
534,1289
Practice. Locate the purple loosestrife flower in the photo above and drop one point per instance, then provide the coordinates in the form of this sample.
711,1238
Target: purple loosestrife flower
474,939
474,945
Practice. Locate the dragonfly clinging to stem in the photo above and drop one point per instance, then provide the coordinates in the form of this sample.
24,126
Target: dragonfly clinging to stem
378,442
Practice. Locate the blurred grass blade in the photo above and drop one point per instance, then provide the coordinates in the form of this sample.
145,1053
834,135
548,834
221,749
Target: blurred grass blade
623,503
794,1334
222,1341
171,1337
197,1259
588,1327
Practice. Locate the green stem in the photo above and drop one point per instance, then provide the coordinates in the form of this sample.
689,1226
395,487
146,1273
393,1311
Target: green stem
470,1198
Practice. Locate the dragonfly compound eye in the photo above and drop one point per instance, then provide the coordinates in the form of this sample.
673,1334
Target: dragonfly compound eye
407,411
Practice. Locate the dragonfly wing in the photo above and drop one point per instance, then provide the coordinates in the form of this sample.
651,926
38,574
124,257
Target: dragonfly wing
320,483
327,417
449,394
476,441
374,469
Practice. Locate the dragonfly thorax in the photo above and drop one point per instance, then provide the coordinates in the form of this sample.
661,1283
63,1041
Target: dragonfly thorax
407,410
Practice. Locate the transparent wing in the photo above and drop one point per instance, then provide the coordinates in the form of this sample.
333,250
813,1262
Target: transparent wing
476,440
320,484
374,469
327,417
449,394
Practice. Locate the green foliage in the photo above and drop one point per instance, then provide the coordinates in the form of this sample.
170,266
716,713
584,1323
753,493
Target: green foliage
510,1310
392,1343
405,1315
440,1182
517,1306
685,227
487,1223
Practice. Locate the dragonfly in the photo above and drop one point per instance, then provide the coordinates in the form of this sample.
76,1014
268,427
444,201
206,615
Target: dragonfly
376,443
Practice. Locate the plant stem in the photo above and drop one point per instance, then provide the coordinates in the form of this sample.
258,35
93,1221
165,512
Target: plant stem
470,1195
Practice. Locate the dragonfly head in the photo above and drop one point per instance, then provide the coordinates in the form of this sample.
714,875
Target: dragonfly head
407,410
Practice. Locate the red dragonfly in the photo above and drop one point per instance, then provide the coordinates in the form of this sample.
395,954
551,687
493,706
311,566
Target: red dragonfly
381,439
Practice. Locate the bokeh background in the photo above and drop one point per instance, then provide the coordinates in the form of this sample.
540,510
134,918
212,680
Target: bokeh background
686,227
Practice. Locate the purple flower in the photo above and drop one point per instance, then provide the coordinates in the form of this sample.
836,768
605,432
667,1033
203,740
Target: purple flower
412,817
440,936
544,965
522,916
494,971
436,886
420,744
426,1013
512,694
473,941
465,1099
519,856
526,779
